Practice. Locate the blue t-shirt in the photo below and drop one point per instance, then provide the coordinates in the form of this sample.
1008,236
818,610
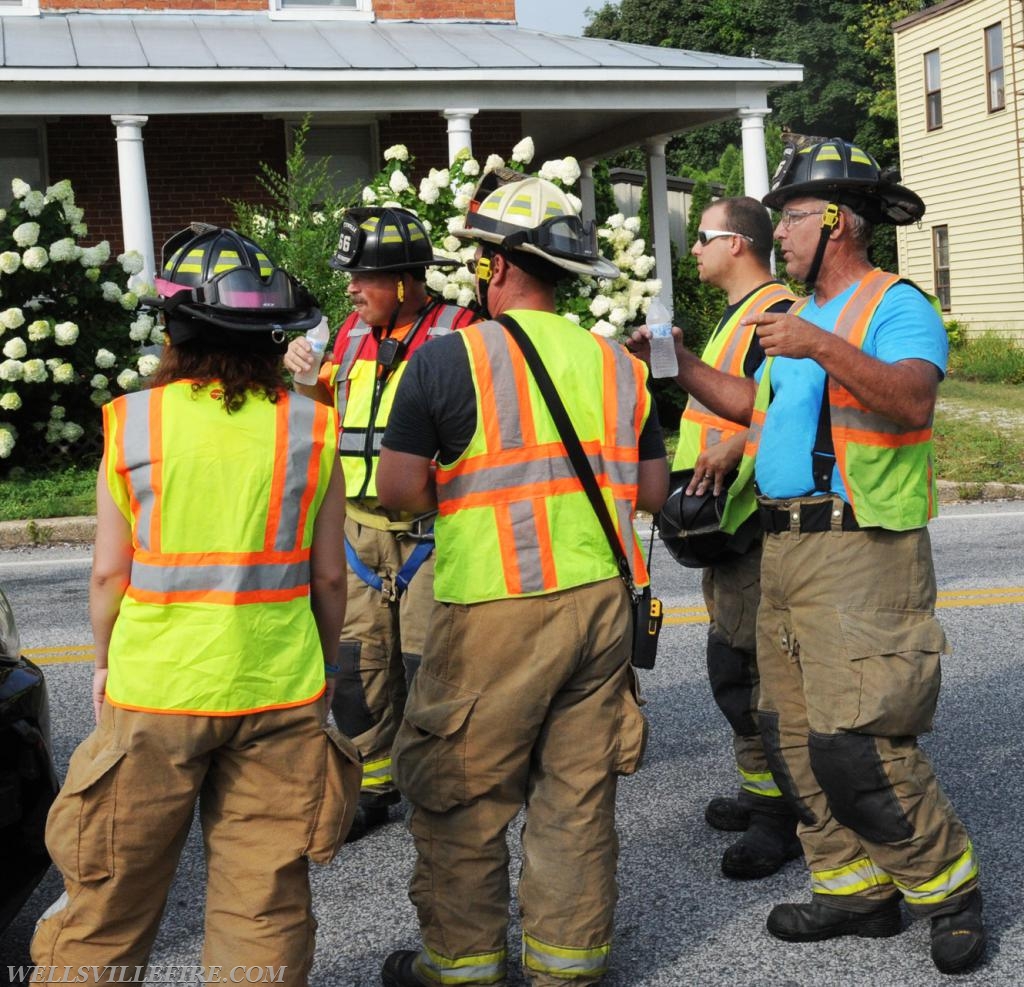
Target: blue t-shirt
904,327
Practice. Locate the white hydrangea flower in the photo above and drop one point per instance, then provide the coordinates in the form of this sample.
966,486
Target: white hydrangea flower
12,370
575,201
100,397
12,318
643,266
436,280
10,261
584,288
636,248
398,182
79,229
397,152
53,363
34,203
455,223
10,401
128,301
632,224
111,292
40,329
551,171
524,151
429,192
58,413
573,317
369,196
105,359
450,291
6,442
71,432
65,250
35,258
34,371
131,261
93,274
65,333
64,374
615,221
318,219
600,306
471,167
440,176
140,329
493,161
26,234
466,296
60,192
157,335
147,364
618,315
461,201
128,380
95,256
98,382
20,189
451,243
603,328
73,214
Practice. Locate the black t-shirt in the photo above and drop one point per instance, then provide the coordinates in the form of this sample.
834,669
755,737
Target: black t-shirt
434,414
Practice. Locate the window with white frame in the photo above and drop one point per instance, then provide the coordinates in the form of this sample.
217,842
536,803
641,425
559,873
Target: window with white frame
994,67
932,90
350,148
940,262
305,9
8,7
22,148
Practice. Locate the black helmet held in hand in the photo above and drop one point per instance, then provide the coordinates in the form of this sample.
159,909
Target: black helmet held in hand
690,525
838,171
373,239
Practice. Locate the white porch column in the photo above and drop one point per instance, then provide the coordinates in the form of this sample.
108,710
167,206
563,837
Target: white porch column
589,210
460,134
136,221
755,166
657,187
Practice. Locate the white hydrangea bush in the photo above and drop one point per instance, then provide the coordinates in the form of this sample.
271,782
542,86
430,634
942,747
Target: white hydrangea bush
440,199
70,335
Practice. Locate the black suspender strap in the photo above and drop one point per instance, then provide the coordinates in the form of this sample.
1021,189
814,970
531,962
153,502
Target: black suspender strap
571,441
823,455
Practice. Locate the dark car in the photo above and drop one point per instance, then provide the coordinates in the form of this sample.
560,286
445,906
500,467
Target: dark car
28,782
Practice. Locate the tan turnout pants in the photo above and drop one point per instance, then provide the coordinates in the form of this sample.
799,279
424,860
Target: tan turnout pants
275,790
525,701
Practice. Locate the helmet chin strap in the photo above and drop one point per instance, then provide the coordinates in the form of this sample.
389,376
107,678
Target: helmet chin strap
829,221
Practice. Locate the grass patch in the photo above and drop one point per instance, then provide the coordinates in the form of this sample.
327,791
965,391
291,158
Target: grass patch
979,432
67,492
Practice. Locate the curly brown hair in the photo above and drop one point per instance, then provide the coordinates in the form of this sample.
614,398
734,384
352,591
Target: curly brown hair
238,372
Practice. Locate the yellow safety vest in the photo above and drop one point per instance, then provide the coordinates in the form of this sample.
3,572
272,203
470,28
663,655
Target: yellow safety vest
513,519
216,618
887,468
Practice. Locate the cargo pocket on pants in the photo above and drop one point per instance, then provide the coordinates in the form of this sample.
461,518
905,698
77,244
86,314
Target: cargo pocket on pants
339,796
429,753
80,828
632,735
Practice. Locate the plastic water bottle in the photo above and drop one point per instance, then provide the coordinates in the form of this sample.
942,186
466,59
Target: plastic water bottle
317,338
663,347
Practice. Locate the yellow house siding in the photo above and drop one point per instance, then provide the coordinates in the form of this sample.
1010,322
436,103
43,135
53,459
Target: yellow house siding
967,171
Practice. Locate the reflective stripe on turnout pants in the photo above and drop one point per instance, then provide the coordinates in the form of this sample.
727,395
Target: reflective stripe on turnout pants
378,638
848,651
527,700
274,790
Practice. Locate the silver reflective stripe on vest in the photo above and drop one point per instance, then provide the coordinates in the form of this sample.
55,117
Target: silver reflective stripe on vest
356,337
527,542
445,320
138,461
219,578
625,384
298,456
534,471
862,420
506,397
353,442
564,961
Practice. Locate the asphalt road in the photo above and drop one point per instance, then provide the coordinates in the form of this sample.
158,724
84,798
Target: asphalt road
679,922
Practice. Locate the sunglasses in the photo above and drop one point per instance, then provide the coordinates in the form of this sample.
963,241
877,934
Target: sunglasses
704,237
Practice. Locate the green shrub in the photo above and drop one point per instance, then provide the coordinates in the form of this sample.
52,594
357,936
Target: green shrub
988,359
956,333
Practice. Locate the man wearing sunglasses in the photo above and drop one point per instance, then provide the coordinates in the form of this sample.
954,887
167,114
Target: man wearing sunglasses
848,646
733,253
385,253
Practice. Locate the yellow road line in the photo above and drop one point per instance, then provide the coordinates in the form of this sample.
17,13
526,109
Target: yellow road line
948,599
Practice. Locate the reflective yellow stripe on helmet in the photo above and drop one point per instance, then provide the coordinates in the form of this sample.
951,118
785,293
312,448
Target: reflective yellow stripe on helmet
854,878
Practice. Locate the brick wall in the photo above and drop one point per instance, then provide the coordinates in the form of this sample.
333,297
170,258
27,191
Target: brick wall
194,165
383,9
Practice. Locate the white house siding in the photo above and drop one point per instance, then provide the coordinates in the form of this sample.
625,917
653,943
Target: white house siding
968,171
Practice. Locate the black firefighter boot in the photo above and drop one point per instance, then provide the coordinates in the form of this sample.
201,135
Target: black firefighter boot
958,937
769,842
371,812
727,813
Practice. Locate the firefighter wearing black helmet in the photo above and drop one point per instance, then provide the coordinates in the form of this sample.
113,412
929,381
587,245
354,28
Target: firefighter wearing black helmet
848,646
385,252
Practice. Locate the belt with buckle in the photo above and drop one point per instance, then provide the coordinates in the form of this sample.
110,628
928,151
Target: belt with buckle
807,517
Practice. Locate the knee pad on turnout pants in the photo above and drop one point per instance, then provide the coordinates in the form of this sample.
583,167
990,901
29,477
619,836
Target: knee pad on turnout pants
731,675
